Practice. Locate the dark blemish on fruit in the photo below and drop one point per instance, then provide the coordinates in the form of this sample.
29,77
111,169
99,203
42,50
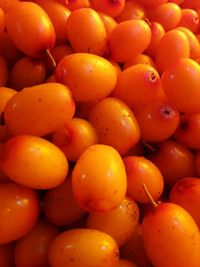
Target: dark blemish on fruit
153,77
2,121
115,192
39,100
196,19
167,112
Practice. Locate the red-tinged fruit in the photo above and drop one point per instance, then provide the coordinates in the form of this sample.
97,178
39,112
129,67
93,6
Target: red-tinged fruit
167,14
152,3
140,170
132,10
157,32
109,7
32,249
126,263
189,19
186,193
137,85
158,120
193,42
174,161
175,45
134,250
75,137
76,4
58,15
181,83
171,237
60,206
7,255
34,34
188,131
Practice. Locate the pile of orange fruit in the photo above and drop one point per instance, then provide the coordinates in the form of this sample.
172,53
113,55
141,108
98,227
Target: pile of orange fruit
100,133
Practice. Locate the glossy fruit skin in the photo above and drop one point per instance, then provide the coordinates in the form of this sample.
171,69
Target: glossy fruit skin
81,31
188,131
137,85
176,239
158,120
140,170
176,44
115,124
174,161
60,206
75,137
157,32
132,38
193,42
35,33
33,162
52,100
31,250
17,202
167,14
186,194
125,219
83,73
184,77
189,19
99,187
109,23
83,247
58,15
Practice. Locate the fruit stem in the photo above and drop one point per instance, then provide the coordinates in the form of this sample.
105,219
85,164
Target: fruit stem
51,59
153,202
150,147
